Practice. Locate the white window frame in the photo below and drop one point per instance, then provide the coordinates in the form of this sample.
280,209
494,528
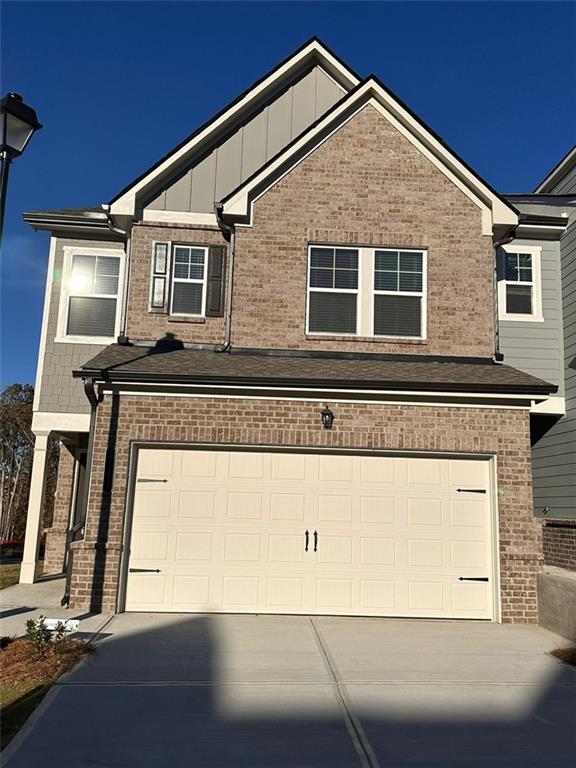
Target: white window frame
366,293
174,279
310,289
422,294
535,251
65,294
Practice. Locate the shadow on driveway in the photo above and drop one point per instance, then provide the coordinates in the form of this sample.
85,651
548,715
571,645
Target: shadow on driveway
296,692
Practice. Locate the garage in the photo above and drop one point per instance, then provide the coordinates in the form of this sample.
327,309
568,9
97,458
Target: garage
251,531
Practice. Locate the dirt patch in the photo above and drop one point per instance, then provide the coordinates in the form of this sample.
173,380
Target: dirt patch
567,655
20,660
27,674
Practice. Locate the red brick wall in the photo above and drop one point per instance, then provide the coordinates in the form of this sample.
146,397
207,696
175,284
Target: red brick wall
54,555
559,540
297,423
366,185
144,325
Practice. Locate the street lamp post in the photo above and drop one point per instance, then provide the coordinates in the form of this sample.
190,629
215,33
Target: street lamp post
18,122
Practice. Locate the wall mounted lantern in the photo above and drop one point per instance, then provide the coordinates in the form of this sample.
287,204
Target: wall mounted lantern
327,418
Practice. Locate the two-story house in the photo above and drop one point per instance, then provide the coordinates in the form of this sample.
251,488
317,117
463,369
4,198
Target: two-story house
273,362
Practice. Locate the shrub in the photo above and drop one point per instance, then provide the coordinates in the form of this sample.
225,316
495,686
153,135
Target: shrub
38,636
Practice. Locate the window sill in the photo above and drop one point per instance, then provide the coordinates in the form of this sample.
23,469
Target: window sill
98,340
366,339
198,320
521,318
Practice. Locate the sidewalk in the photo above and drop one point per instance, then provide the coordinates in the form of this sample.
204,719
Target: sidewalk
29,601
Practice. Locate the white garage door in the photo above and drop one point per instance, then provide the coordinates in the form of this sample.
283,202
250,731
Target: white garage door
247,531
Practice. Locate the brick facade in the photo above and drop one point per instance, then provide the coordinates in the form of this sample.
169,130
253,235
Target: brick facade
296,423
559,543
366,185
144,325
54,556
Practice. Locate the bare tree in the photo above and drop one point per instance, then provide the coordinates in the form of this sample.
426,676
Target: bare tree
16,456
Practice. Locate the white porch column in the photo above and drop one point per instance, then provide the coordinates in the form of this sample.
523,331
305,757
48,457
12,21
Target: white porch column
28,571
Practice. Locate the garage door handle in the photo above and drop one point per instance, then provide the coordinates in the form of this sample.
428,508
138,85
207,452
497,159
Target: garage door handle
470,490
144,570
306,539
473,578
315,541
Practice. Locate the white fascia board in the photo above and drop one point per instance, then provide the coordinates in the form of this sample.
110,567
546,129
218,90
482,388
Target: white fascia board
300,393
179,217
44,328
552,405
126,204
494,211
45,421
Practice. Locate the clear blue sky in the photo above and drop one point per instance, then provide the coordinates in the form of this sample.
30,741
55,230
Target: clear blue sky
116,85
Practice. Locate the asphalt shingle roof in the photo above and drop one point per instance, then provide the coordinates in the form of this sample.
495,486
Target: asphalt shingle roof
168,365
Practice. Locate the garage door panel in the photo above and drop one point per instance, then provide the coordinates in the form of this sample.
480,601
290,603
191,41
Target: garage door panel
334,508
424,472
227,532
198,464
285,548
244,505
378,509
196,504
193,547
287,506
425,512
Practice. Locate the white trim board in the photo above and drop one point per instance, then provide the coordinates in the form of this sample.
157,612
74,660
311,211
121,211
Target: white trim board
69,252
48,421
535,251
44,326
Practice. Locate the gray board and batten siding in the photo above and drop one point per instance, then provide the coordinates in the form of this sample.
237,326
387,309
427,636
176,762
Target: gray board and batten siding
59,392
251,145
554,456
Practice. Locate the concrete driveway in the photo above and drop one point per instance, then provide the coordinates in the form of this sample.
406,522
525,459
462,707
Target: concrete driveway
258,691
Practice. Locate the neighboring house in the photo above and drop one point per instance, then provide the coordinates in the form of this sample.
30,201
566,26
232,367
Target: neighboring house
288,394
552,345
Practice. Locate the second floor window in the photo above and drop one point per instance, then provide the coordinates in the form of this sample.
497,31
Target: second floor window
519,283
376,292
189,280
90,294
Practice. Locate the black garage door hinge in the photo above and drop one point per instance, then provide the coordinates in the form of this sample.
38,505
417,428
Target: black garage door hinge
471,490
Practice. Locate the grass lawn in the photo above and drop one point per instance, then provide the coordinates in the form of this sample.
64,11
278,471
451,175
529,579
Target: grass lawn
27,671
9,574
17,702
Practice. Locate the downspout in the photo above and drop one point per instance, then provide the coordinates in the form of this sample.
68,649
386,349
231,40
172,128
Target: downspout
498,355
230,236
122,338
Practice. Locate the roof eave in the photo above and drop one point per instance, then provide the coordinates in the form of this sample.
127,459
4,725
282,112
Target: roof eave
119,377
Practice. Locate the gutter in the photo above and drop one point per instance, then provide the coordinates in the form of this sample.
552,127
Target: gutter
230,235
498,355
118,377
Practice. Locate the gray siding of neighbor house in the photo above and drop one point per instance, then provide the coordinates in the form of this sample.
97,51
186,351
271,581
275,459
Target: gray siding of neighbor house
554,456
252,145
59,392
534,347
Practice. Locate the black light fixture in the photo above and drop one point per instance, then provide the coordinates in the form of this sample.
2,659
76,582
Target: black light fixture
18,123
327,418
